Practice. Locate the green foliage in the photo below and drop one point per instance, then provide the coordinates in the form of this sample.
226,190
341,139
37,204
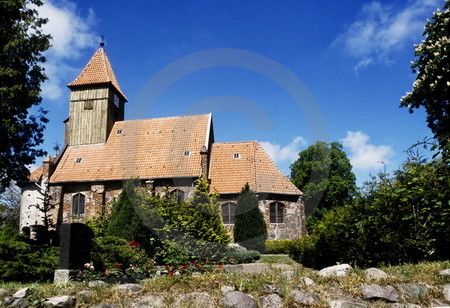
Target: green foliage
20,261
324,173
250,228
110,251
22,45
304,251
397,219
278,246
431,89
247,256
125,221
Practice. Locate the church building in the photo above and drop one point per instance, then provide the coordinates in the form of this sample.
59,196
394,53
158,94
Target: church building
102,151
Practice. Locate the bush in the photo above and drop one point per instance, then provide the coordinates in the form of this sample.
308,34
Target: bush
241,256
304,251
20,261
278,246
250,228
109,252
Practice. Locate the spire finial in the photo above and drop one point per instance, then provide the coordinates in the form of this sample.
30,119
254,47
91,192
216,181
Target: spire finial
102,43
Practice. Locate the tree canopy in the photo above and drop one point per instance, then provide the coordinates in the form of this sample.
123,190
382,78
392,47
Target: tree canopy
431,89
21,74
324,173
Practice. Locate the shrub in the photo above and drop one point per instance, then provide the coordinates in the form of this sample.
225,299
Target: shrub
249,227
303,251
110,251
20,261
241,256
278,246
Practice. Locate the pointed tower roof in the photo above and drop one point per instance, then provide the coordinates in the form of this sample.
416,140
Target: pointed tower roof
97,71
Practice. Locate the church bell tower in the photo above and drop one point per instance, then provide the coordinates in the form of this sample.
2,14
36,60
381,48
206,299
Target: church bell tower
96,102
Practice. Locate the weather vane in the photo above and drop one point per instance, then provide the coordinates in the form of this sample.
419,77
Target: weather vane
102,43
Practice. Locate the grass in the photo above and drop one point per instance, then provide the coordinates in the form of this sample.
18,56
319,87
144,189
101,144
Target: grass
277,259
172,287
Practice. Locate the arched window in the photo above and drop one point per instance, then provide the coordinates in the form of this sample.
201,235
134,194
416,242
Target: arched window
177,195
276,212
78,205
228,210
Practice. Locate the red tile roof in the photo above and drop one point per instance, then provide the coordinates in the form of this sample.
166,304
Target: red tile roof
152,148
229,174
97,71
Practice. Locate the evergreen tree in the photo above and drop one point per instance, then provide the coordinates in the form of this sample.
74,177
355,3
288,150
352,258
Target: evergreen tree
125,219
21,46
250,228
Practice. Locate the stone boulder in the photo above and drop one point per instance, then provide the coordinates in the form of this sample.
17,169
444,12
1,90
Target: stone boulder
340,270
225,289
3,293
304,298
271,301
60,302
374,274
237,299
19,303
151,301
307,281
413,292
129,288
387,293
446,292
22,293
346,304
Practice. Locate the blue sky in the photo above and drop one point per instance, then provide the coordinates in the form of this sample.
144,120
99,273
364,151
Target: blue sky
285,73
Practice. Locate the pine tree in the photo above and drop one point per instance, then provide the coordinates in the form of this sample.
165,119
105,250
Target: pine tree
250,228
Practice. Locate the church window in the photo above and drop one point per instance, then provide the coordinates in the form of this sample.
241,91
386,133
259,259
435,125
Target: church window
276,212
177,195
236,155
228,210
89,104
78,204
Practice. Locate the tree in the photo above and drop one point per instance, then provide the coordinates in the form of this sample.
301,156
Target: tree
21,46
324,173
431,89
250,228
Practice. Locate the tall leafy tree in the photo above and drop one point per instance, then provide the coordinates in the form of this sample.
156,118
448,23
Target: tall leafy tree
21,74
431,90
250,228
324,173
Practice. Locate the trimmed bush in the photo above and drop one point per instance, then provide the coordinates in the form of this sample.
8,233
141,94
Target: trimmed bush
250,228
278,246
242,256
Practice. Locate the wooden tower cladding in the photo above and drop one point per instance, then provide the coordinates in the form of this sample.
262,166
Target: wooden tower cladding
96,102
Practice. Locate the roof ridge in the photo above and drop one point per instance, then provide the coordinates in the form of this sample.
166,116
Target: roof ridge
164,118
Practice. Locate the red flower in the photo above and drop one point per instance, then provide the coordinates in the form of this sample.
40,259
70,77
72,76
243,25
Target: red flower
118,266
167,267
185,267
219,266
134,243
170,273
197,265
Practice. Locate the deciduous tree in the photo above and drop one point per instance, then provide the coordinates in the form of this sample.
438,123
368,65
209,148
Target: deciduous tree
21,74
431,90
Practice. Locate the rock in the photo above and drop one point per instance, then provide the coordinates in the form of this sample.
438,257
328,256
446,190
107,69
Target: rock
270,288
151,301
413,292
97,284
288,274
251,268
225,289
397,305
378,292
8,301
3,293
106,306
307,281
60,302
196,299
129,288
445,273
20,303
340,270
374,274
346,304
237,299
271,301
304,298
236,247
446,292
21,293
85,295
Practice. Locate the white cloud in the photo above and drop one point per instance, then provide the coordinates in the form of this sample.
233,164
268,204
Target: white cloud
382,29
363,155
287,153
71,33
